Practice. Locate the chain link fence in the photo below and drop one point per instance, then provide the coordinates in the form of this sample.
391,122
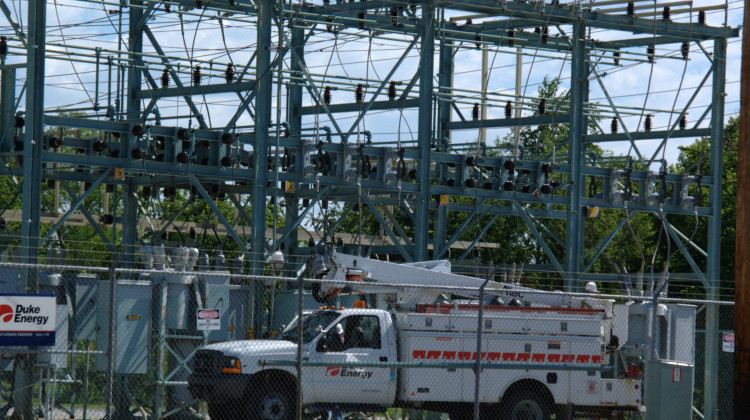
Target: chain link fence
214,343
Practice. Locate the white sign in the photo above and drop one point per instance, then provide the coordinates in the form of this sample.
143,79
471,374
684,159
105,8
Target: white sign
676,374
727,344
208,320
27,320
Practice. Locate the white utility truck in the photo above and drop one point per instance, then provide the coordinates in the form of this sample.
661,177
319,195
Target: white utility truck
541,353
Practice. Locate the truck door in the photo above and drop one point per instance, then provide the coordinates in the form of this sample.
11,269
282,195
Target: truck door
355,339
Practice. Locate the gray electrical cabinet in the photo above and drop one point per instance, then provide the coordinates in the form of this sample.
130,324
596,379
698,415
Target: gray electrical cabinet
217,297
84,313
238,315
59,360
179,298
682,333
9,279
132,323
669,390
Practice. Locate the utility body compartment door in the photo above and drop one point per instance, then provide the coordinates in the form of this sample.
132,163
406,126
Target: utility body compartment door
364,337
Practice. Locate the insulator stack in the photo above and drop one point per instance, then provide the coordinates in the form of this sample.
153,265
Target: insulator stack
508,109
511,35
545,35
226,161
229,73
394,16
327,95
685,50
361,23
329,24
650,54
469,22
167,8
226,138
538,30
666,13
701,17
359,94
392,91
475,112
55,142
615,125
137,153
198,4
197,76
542,108
99,146
648,123
470,183
683,122
476,252
165,78
478,39
631,8
3,46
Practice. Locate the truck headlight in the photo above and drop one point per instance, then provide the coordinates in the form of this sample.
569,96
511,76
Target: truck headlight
231,365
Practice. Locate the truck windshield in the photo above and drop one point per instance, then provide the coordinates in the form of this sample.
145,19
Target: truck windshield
309,326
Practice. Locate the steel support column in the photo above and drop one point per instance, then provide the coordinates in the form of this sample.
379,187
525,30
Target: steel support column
260,154
426,69
713,267
32,187
7,105
574,221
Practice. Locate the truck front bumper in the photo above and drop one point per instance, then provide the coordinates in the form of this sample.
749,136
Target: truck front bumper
213,388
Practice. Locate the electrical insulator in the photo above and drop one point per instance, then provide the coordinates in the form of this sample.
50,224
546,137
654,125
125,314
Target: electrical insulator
538,30
3,45
106,219
476,252
311,242
192,233
545,35
542,107
99,146
547,168
650,53
469,22
226,138
470,183
305,202
165,236
631,8
616,56
327,95
478,38
329,24
701,17
471,161
197,76
183,134
226,161
324,204
614,125
229,73
475,112
19,122
198,4
487,185
683,122
392,91
137,130
511,35
55,142
361,23
359,94
167,8
685,50
508,186
545,189
510,166
666,14
137,153
508,109
182,157
394,16
412,174
165,78
648,123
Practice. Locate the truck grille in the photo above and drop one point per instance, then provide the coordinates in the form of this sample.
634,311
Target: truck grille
207,362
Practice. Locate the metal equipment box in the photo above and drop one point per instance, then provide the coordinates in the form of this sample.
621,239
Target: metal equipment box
669,390
217,297
84,312
132,323
59,360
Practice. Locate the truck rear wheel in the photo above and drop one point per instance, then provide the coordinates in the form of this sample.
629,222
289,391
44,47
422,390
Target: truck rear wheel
525,406
272,402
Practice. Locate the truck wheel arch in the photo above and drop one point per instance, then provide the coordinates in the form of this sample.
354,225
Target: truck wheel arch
277,376
528,385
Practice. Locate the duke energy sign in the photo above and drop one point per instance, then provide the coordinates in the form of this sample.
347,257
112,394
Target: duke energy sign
27,320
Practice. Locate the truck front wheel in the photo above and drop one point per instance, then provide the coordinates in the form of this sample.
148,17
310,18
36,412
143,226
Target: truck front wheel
273,403
525,406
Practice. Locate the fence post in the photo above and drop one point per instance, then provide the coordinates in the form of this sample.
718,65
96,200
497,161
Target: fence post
111,336
478,366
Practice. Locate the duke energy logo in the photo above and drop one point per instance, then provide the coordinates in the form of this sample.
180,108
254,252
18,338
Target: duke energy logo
6,313
348,372
23,314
